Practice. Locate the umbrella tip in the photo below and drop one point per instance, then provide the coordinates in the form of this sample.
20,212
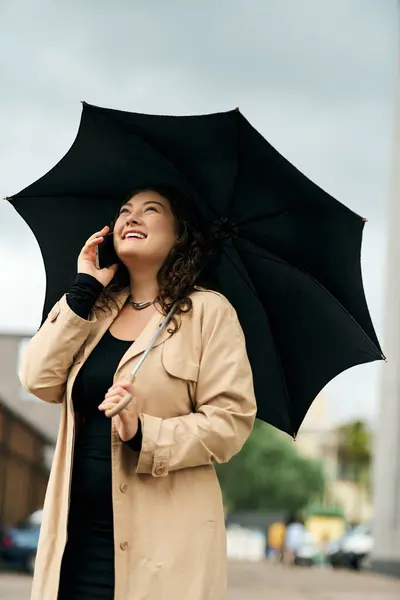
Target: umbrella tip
237,109
365,220
83,102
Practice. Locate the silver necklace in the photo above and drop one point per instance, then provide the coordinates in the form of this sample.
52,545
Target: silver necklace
141,305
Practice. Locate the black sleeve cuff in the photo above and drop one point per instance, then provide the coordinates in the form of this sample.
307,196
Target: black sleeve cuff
83,294
135,443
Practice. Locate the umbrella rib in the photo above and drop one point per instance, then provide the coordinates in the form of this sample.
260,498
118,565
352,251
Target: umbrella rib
253,289
231,196
168,160
281,260
285,211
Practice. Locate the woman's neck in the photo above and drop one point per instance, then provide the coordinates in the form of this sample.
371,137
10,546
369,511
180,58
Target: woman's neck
143,287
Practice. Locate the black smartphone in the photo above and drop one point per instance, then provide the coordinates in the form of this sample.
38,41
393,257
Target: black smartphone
105,252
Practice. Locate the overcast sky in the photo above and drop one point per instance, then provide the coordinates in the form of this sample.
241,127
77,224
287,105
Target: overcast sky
316,77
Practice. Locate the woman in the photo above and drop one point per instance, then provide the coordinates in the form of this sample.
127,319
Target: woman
133,509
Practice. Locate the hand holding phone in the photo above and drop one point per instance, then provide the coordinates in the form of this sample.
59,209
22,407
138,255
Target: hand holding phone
105,252
96,261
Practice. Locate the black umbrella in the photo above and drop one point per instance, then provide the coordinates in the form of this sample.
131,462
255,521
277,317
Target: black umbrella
288,253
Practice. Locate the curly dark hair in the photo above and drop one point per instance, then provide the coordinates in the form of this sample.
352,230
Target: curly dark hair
185,265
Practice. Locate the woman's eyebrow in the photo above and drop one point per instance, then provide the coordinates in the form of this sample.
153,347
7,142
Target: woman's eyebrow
154,202
144,204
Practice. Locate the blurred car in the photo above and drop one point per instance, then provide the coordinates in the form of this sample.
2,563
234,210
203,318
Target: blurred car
18,545
333,552
308,553
353,549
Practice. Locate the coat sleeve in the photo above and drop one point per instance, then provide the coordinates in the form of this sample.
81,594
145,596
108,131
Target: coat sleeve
225,406
50,353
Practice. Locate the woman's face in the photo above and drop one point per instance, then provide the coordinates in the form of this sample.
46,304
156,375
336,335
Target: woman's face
146,228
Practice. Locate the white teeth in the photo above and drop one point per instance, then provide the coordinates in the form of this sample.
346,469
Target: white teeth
135,235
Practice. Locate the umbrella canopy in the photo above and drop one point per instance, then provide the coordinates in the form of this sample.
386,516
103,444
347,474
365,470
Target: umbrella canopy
288,253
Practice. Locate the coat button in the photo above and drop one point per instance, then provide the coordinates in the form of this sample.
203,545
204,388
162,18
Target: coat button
123,487
123,545
160,469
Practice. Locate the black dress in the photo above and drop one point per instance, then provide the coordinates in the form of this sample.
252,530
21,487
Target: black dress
87,570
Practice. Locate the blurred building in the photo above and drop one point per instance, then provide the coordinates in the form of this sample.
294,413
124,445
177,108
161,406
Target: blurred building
41,415
28,430
23,467
319,440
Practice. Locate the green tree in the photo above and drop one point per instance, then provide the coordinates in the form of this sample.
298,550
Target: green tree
270,474
355,453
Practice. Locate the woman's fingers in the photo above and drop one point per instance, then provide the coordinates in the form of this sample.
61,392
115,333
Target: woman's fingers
110,401
90,245
126,385
115,394
95,239
87,248
98,234
116,391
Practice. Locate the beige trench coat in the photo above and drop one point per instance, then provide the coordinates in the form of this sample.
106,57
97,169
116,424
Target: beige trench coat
199,407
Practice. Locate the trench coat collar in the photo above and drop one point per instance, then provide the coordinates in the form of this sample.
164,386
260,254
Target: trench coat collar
105,320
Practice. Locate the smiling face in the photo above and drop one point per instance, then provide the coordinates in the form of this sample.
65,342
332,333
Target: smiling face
145,229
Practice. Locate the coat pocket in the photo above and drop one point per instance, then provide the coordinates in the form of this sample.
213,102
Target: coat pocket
176,365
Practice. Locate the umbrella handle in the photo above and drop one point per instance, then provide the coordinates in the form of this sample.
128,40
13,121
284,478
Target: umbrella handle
116,409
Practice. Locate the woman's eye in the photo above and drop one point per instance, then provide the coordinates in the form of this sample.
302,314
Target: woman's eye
150,208
123,210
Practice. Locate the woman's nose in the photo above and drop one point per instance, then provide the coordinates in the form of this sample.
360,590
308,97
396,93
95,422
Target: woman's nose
134,219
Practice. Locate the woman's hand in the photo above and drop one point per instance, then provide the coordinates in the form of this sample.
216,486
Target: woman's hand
87,259
127,420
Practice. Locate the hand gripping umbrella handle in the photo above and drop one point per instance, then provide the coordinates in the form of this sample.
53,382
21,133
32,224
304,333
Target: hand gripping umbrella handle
116,409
